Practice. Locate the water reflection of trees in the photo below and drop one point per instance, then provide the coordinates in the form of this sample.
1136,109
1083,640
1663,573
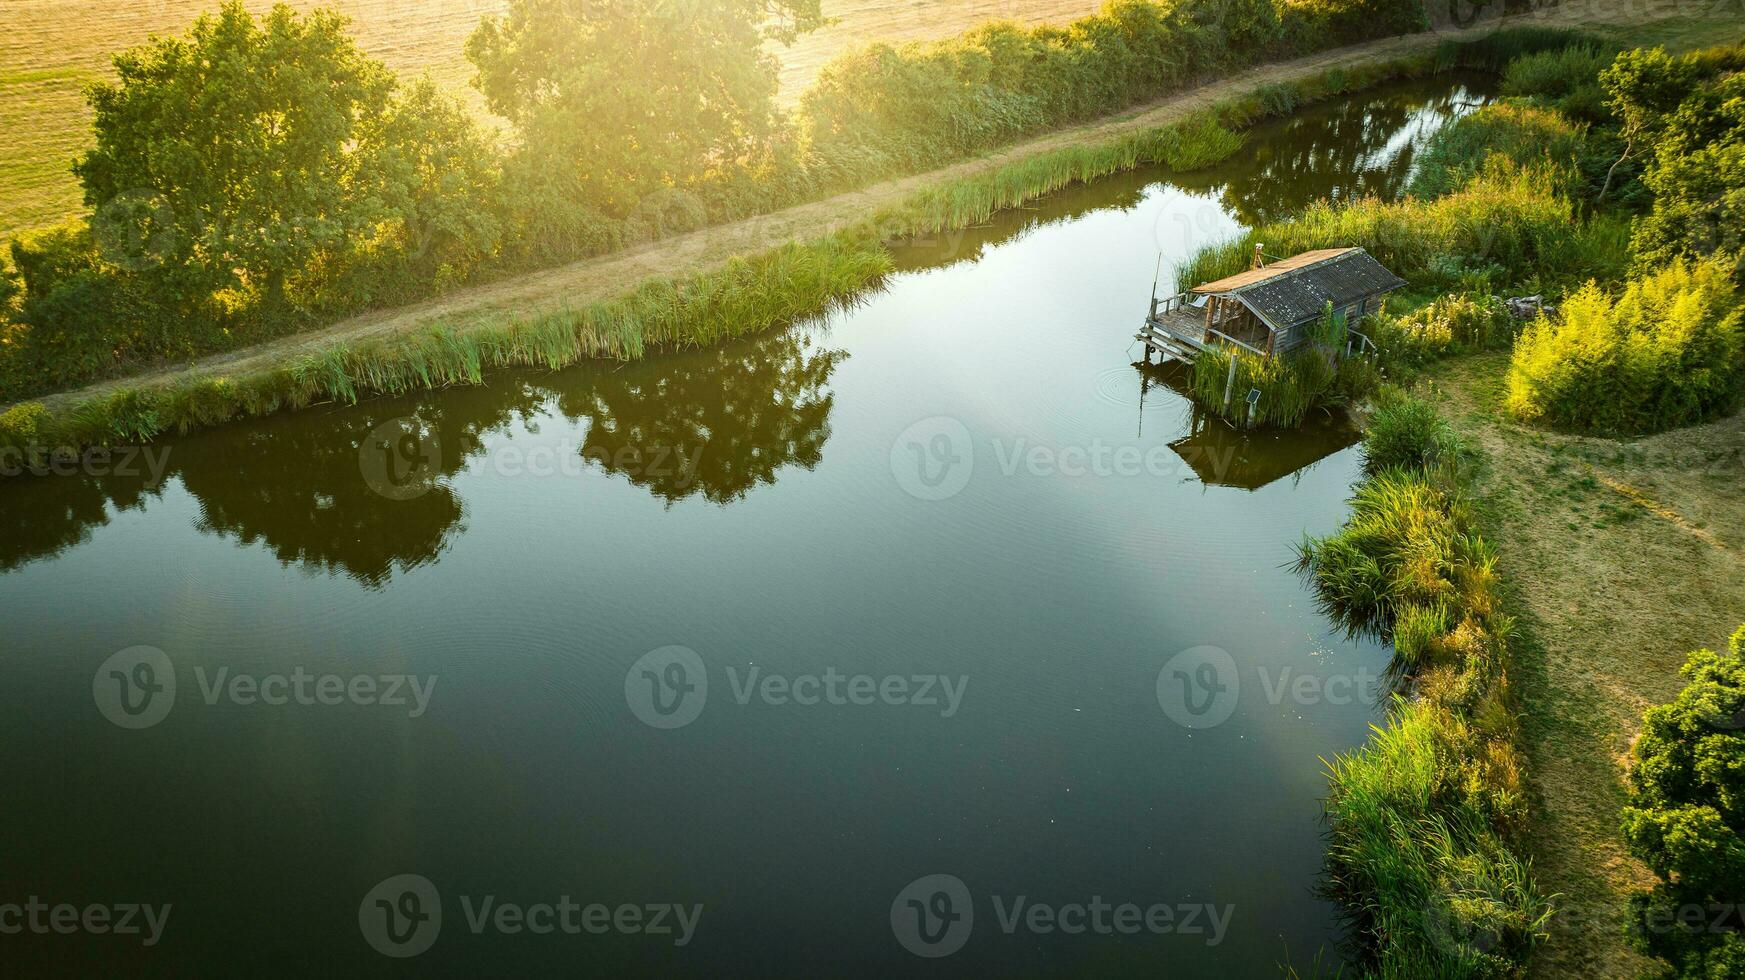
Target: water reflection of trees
1357,148
714,423
294,485
1339,149
735,416
43,516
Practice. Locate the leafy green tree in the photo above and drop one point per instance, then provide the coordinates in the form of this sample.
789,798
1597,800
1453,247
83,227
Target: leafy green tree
1698,180
438,175
629,95
1686,819
229,157
1643,87
10,287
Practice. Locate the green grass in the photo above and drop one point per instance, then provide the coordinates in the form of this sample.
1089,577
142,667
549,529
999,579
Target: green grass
1425,820
781,286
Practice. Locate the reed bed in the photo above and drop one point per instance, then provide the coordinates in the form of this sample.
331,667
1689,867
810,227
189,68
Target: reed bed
1507,222
1426,819
782,286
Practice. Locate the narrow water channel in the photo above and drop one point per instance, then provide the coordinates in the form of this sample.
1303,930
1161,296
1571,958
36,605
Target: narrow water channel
970,595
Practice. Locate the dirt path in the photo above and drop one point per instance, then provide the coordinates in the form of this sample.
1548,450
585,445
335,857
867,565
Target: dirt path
1622,557
606,276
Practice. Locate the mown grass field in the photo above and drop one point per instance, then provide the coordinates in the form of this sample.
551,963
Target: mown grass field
1622,556
51,49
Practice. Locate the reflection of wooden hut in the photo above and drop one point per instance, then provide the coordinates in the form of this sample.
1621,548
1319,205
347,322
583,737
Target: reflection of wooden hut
1222,455
1267,310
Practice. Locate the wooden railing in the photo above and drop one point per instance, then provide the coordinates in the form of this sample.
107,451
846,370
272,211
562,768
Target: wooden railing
1247,347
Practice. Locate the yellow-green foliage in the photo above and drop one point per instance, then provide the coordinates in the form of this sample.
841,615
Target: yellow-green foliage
1452,323
1424,820
1664,353
1520,132
1506,221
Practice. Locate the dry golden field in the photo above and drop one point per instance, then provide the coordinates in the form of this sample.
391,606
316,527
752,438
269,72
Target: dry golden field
51,49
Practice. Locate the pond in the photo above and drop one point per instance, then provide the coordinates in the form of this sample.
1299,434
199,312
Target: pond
933,637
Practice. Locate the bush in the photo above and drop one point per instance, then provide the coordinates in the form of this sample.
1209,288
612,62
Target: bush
1664,354
1454,323
1568,80
1686,819
1323,22
25,427
1697,177
1522,133
1510,222
1407,433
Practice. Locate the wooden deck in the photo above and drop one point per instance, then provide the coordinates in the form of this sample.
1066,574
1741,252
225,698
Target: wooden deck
1177,331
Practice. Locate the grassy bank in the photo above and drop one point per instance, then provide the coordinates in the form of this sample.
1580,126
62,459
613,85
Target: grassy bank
1426,820
1618,556
746,296
1598,542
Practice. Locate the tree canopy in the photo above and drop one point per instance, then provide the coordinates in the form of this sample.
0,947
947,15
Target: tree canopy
631,95
1686,819
229,154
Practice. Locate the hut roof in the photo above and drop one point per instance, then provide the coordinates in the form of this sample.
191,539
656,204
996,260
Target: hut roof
1297,289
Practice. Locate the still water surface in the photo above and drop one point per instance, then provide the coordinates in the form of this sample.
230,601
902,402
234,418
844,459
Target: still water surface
963,478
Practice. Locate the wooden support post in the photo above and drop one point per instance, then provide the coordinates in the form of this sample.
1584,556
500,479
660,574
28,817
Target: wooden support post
1230,382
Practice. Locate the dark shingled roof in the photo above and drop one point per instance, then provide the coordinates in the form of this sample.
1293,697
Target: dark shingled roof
1297,289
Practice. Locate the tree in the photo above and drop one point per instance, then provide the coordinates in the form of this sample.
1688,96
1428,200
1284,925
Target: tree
1698,180
1686,819
630,95
438,176
1644,86
228,158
